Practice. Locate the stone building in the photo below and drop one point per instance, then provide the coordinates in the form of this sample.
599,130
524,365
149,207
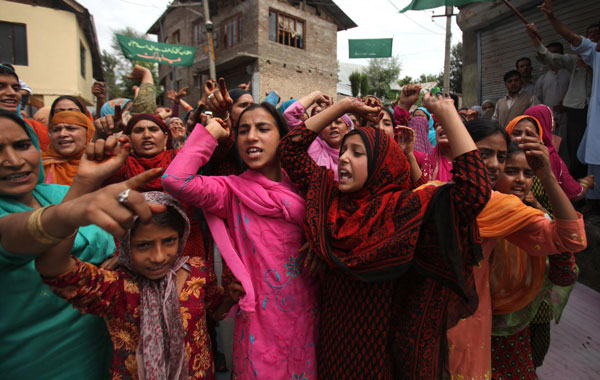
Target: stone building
287,46
494,38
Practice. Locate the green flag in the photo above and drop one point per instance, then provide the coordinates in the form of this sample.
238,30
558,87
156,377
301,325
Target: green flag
416,5
166,54
370,48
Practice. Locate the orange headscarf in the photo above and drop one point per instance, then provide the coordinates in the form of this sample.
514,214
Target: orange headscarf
61,170
515,277
513,123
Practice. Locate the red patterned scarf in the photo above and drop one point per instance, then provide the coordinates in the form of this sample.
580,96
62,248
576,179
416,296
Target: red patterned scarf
371,234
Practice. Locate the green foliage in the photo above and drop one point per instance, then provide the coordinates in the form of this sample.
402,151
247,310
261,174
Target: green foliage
355,80
382,72
364,84
456,72
406,80
117,67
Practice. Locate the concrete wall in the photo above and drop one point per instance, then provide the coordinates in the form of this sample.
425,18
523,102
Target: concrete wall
53,40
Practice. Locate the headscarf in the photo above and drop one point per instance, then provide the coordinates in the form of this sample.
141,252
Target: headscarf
16,117
161,350
172,119
544,115
135,165
237,93
420,125
42,115
515,276
61,170
325,155
479,111
513,123
77,102
370,234
431,121
108,108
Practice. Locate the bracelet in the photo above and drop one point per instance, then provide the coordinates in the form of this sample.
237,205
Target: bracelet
37,231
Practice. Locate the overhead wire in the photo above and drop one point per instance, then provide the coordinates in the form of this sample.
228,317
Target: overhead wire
413,21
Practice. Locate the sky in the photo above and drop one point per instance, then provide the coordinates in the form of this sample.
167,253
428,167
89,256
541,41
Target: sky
419,39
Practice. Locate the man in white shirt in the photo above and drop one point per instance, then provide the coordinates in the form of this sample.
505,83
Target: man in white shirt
577,97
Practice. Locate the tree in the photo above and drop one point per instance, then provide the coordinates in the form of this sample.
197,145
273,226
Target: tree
424,78
382,72
364,84
355,81
110,66
456,66
406,80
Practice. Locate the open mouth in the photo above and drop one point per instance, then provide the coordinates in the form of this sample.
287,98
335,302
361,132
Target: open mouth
148,145
9,103
344,175
254,152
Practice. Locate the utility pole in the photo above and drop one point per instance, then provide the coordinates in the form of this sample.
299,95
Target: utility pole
449,13
209,37
448,45
209,29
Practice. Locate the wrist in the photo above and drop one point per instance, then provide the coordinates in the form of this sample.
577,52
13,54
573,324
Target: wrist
83,185
405,105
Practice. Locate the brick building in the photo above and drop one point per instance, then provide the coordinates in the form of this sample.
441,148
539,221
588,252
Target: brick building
287,46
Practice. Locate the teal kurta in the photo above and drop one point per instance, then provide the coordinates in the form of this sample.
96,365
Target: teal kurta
41,335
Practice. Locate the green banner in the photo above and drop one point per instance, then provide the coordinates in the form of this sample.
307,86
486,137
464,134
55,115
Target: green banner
165,54
370,48
416,5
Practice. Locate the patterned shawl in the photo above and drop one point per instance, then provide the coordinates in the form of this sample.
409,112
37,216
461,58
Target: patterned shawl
420,125
161,350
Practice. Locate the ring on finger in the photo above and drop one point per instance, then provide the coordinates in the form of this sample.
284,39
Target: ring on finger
210,96
123,197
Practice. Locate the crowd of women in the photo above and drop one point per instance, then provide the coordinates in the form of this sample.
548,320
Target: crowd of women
359,241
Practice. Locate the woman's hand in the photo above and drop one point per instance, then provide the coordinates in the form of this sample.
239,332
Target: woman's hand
109,124
409,95
218,99
536,153
218,129
101,159
369,109
104,208
315,265
236,290
406,139
438,104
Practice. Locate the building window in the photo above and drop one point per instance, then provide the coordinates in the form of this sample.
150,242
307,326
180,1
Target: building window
232,31
82,58
197,32
286,29
176,37
13,43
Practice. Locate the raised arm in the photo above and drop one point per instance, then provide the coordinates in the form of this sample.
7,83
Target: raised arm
181,179
566,61
562,29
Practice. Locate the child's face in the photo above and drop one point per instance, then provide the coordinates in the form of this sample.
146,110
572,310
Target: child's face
517,177
353,165
153,250
257,139
493,152
334,133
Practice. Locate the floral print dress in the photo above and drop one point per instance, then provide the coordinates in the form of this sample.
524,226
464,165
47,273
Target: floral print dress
115,296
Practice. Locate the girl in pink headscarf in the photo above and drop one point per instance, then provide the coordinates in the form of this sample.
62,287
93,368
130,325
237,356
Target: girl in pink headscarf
575,190
257,220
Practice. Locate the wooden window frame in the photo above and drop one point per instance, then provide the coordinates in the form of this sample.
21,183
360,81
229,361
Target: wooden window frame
235,37
21,59
284,37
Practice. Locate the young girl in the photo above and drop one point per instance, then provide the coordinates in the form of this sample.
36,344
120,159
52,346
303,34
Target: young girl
154,304
437,165
256,220
386,298
506,216
325,150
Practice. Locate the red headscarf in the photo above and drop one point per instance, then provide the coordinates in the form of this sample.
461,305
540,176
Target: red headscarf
372,234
